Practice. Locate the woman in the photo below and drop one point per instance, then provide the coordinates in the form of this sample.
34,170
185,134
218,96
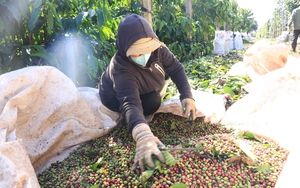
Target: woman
132,81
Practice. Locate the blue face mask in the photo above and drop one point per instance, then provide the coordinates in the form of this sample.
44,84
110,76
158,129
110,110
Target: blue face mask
142,59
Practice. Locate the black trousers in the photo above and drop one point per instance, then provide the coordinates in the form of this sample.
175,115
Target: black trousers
296,34
150,102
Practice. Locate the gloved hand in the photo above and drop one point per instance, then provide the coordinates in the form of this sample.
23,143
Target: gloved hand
146,145
189,108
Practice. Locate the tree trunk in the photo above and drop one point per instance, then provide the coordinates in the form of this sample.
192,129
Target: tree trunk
146,6
189,14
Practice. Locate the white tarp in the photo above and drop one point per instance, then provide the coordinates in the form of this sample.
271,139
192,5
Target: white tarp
44,117
210,106
270,105
43,113
260,59
270,109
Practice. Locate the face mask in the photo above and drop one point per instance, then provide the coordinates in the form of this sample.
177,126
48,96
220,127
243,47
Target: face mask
142,59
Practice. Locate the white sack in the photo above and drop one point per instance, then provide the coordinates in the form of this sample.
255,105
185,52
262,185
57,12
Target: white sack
238,41
219,43
283,37
229,38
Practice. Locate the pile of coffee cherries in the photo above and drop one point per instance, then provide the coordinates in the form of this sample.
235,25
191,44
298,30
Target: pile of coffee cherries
208,156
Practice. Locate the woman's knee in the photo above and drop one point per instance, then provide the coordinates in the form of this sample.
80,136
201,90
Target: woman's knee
151,102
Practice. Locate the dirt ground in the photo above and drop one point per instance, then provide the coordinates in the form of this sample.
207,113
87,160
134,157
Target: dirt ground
295,54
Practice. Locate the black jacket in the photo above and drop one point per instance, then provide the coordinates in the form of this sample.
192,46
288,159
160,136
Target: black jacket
125,81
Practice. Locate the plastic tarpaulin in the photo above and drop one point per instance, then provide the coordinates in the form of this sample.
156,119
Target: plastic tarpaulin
260,59
270,109
44,113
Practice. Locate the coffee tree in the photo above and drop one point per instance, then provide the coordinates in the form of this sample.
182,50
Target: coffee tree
78,36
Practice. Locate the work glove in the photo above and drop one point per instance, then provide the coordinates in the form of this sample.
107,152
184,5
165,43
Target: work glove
146,145
189,108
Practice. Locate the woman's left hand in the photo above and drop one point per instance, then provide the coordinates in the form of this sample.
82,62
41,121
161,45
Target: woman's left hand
189,108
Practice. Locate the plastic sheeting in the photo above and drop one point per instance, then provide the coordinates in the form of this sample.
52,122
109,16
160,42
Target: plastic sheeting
260,59
210,106
271,109
264,57
44,117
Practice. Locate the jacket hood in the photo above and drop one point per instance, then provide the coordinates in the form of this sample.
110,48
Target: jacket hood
132,28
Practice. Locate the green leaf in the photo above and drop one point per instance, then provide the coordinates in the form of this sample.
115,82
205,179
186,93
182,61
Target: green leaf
215,152
250,136
79,19
199,145
100,19
95,186
146,175
158,165
246,148
49,22
37,4
39,51
14,10
169,28
92,66
1,25
228,90
106,32
35,14
248,184
265,168
22,8
95,166
179,185
186,144
53,8
204,84
40,55
238,133
173,126
91,12
75,3
267,145
170,160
